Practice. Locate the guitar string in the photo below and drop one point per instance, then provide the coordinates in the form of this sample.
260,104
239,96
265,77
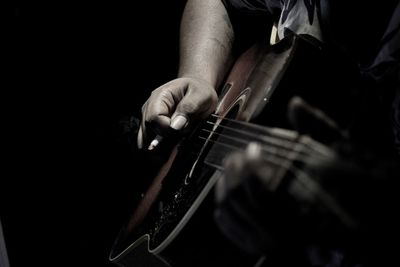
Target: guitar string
300,176
285,163
273,137
276,143
271,152
268,132
291,147
217,153
268,141
287,145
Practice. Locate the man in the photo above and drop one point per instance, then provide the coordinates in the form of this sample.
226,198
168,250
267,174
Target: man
208,37
210,32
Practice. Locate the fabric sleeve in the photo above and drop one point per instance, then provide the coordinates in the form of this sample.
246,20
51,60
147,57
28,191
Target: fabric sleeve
251,20
251,6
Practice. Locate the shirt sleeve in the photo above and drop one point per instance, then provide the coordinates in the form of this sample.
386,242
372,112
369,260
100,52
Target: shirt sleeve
251,20
248,6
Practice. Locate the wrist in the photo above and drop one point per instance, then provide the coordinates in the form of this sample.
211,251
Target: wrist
199,79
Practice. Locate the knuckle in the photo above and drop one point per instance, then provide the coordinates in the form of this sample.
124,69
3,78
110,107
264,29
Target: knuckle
151,118
188,107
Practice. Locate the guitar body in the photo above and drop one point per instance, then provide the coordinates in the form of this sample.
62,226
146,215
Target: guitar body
172,225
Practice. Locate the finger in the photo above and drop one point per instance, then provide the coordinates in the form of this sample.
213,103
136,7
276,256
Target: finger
192,106
179,121
140,138
235,169
225,183
241,165
184,112
253,152
144,106
254,162
158,112
157,120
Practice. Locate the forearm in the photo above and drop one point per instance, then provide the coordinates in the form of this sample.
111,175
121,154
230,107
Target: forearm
206,41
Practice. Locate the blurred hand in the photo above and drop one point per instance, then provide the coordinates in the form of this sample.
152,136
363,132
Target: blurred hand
249,210
344,202
262,206
175,105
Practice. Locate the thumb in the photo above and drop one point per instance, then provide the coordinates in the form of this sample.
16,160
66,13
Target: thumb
183,114
179,121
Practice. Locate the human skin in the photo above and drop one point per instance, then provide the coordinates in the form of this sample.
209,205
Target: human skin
206,39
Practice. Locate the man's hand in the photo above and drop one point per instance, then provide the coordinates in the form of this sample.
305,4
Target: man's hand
206,40
250,211
175,105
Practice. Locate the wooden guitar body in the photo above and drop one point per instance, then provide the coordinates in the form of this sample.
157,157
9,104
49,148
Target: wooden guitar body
160,229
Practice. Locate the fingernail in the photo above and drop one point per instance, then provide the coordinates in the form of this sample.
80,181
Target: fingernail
178,122
253,150
140,139
155,142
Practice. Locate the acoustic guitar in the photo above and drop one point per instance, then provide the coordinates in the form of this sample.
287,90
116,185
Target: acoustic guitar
171,216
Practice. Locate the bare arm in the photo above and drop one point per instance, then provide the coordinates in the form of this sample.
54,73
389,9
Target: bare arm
206,41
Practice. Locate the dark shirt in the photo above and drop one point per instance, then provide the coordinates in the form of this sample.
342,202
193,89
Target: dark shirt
367,32
370,34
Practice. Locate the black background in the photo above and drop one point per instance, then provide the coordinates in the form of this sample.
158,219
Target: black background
73,72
